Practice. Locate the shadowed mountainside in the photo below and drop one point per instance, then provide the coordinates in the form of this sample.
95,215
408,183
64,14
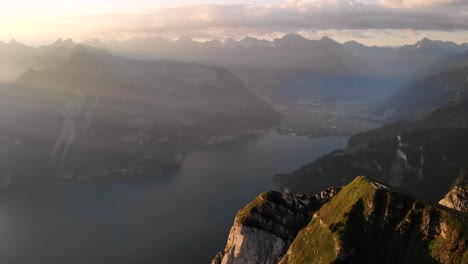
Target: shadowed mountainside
99,115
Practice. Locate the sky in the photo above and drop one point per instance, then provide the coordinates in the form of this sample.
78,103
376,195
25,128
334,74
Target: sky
372,22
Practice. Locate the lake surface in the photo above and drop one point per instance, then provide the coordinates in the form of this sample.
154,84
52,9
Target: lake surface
181,217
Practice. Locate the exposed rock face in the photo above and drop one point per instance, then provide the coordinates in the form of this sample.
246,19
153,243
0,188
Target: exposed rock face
265,228
365,222
251,245
77,115
457,198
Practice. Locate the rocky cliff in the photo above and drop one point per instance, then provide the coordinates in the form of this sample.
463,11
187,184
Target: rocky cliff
264,229
365,222
457,198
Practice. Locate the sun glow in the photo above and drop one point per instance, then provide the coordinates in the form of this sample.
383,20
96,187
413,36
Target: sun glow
40,22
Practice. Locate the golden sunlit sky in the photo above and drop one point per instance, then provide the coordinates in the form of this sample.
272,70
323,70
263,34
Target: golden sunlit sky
372,22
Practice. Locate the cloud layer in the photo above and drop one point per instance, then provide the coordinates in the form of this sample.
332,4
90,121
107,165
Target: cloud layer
421,3
290,16
296,15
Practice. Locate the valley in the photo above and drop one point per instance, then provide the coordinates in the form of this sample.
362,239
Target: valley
128,151
325,119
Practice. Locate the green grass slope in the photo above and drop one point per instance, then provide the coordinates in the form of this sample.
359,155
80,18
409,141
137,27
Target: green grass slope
367,222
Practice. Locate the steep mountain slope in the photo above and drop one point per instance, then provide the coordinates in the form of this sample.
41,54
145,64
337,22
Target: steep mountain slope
452,114
422,96
16,58
454,61
287,68
410,59
314,84
372,55
99,115
265,228
422,162
422,156
365,222
301,77
457,198
400,63
392,61
295,68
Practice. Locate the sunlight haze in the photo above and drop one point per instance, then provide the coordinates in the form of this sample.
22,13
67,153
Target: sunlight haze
233,132
372,22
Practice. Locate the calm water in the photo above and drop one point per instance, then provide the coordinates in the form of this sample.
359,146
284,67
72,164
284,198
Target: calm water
182,217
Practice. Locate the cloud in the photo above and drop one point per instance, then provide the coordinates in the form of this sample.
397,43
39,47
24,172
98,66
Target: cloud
289,16
421,3
322,4
297,15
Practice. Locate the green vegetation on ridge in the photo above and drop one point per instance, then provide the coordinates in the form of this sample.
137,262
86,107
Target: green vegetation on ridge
368,223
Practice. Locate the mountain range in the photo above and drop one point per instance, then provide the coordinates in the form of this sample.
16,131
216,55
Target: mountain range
349,87
66,85
99,110
313,63
316,62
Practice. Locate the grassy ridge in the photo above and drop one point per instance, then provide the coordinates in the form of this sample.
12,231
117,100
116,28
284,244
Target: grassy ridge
369,223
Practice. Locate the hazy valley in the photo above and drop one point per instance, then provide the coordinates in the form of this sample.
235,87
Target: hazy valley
142,149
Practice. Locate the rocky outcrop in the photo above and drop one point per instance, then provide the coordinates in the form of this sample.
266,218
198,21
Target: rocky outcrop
367,221
265,228
457,198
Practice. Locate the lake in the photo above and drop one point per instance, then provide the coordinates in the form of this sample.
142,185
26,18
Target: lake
178,217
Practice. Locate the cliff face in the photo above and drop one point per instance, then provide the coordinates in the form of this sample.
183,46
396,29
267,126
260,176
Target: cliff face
365,222
264,229
457,198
